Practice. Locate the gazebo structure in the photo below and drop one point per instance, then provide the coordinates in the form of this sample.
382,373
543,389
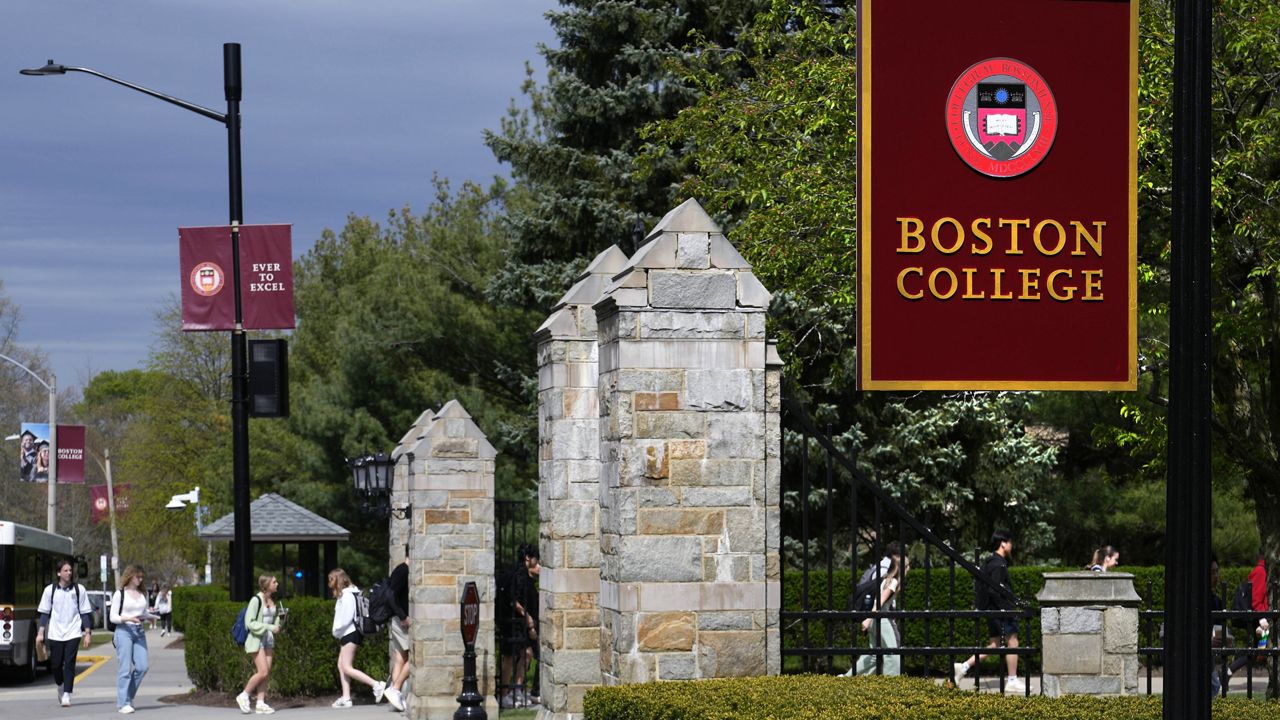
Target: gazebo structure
275,520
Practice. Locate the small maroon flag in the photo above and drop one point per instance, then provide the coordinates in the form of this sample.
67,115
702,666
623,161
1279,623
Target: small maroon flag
98,496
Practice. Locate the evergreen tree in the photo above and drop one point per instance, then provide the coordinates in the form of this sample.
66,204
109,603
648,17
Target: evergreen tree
616,70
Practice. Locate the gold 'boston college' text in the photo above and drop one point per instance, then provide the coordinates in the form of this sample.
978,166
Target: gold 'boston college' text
1002,236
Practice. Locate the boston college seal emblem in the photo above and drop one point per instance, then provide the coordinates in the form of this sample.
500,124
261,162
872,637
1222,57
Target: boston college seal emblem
1001,117
207,279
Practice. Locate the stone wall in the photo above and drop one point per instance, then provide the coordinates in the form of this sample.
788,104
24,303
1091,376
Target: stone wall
1089,630
447,476
569,493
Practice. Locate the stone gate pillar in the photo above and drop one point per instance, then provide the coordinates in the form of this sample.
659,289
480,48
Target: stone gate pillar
1089,630
689,572
569,493
448,478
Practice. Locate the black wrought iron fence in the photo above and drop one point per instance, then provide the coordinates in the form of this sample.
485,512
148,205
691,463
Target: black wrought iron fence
1241,647
514,526
838,523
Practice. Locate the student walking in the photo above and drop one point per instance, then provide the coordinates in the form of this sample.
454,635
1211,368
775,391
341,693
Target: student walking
996,567
262,619
348,634
399,624
66,621
884,633
164,608
128,612
1104,559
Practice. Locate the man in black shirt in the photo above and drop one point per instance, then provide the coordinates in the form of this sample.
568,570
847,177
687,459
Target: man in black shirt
399,630
996,567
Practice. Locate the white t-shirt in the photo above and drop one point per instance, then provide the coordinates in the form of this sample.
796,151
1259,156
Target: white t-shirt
64,615
135,603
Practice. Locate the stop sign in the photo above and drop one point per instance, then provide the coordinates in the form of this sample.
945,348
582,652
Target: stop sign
470,612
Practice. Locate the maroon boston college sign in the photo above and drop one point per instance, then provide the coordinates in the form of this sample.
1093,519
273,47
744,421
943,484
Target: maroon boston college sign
997,200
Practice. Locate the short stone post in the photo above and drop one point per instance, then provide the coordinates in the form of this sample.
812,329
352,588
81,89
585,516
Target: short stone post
569,494
689,566
1089,631
449,480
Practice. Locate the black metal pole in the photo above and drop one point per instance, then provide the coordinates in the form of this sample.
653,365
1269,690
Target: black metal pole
242,556
1187,655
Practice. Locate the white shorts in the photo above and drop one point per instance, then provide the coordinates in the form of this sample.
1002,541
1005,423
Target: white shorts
399,636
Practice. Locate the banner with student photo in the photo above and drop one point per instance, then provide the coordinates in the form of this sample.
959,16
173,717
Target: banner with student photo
33,453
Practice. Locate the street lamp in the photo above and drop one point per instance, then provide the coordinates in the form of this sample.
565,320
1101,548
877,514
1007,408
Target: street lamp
51,386
242,556
179,502
371,475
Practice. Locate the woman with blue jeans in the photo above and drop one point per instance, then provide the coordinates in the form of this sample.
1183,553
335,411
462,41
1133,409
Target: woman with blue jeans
128,610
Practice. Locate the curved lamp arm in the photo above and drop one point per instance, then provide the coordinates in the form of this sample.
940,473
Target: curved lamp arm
51,68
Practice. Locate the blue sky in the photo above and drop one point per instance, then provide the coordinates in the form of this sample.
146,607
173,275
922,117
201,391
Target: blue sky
349,107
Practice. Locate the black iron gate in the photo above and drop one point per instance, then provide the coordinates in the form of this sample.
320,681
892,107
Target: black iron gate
515,527
836,523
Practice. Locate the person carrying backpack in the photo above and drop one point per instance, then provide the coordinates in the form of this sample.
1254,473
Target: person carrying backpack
883,632
346,630
1252,596
66,621
262,620
128,612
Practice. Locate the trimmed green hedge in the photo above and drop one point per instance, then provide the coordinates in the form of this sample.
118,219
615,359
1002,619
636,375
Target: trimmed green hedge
1027,582
822,697
184,596
306,654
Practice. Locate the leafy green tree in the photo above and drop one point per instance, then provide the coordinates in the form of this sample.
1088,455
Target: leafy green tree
394,319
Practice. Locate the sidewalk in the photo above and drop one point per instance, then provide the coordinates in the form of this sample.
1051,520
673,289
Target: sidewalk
95,693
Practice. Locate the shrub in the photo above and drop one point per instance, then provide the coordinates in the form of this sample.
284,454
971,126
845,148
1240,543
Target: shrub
305,655
822,697
185,596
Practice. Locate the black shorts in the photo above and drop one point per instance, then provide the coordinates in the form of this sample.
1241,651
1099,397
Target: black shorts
1001,627
352,638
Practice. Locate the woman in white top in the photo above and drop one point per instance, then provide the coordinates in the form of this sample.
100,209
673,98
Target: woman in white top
128,611
348,635
66,620
883,633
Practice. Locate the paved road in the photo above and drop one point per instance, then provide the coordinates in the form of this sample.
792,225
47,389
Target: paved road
95,695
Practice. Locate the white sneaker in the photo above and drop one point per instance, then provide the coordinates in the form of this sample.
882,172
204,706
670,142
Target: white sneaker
342,702
65,699
393,697
1014,685
126,710
264,709
958,671
243,701
379,689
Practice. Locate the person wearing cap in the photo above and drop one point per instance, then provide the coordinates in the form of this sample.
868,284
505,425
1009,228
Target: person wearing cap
27,455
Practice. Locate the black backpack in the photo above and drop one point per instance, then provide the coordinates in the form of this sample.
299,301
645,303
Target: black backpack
380,602
1243,602
110,625
365,623
867,589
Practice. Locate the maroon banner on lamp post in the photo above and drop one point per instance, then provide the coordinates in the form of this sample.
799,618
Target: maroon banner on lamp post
266,277
997,172
70,453
100,506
